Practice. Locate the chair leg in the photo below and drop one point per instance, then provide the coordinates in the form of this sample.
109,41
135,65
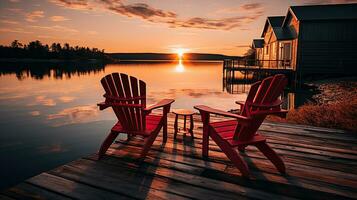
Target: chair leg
175,126
205,136
205,142
164,131
106,143
191,126
129,137
272,156
241,148
232,155
148,143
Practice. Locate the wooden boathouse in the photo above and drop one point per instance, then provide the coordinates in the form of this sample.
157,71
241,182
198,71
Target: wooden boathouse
311,40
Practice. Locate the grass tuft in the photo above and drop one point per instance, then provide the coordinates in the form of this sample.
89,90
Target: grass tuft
340,115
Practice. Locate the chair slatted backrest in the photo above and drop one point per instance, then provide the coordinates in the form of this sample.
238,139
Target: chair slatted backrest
261,93
128,98
250,97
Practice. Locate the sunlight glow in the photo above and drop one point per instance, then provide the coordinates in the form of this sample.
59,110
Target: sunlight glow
180,67
180,52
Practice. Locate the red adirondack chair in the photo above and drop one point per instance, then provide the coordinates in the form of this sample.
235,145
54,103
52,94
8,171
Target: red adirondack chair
262,100
127,96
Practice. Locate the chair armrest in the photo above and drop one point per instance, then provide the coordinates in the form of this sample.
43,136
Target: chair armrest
160,104
272,105
279,113
210,110
241,104
103,105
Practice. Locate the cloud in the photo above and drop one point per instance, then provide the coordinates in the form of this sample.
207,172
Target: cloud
74,115
243,46
244,8
251,6
34,15
46,37
92,32
56,28
15,10
66,99
192,93
155,15
74,4
142,10
222,24
328,1
58,18
35,113
52,148
14,30
43,100
5,21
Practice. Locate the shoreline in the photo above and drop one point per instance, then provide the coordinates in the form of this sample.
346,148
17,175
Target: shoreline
335,105
35,60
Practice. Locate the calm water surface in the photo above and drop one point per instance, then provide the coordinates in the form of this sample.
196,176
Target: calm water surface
48,113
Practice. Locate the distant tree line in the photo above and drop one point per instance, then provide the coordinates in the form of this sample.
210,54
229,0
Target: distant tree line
37,50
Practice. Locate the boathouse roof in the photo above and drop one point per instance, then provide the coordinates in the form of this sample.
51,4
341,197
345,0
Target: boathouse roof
258,43
325,12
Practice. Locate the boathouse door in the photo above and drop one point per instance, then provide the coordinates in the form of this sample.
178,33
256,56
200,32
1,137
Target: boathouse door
285,55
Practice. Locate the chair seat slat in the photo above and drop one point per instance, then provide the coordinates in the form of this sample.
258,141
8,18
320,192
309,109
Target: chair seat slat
123,105
111,97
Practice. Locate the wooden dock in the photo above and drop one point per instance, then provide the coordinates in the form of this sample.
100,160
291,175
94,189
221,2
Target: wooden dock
250,71
321,164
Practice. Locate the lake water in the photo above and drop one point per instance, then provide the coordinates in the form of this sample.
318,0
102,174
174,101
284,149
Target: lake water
48,113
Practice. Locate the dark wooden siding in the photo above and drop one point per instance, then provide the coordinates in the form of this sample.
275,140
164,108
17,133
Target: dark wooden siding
328,47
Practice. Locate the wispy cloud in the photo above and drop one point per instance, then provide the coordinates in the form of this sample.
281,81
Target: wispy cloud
14,30
56,28
327,1
74,4
43,100
58,18
243,46
46,37
92,32
141,10
35,113
66,99
52,148
6,21
15,10
244,8
155,15
34,15
74,115
251,6
206,23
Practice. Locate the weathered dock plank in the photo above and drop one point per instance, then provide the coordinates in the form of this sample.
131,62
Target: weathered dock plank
264,172
321,164
28,191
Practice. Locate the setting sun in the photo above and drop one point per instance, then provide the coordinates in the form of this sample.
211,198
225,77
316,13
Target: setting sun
180,52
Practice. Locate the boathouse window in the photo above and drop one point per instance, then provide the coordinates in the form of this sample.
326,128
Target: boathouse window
273,51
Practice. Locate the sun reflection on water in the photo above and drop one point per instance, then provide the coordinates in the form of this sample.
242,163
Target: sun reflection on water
180,67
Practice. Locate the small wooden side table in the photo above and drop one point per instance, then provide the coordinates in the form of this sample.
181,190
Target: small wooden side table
185,113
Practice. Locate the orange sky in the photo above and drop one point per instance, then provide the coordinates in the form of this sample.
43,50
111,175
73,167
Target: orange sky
204,26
